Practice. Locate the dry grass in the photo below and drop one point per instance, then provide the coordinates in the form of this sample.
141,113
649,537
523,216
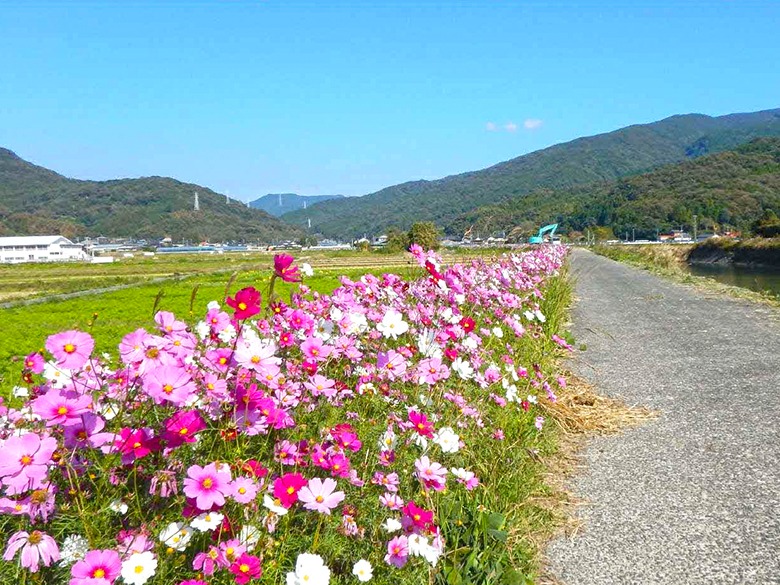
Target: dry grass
579,413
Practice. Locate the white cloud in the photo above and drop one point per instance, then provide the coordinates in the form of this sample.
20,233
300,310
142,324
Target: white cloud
532,123
491,127
510,127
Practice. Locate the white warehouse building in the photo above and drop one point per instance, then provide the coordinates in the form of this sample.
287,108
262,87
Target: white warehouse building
17,249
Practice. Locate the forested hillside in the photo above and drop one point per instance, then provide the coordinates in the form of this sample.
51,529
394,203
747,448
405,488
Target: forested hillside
601,158
728,189
35,200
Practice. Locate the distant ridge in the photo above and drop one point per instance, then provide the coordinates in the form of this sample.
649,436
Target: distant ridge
601,158
280,203
37,201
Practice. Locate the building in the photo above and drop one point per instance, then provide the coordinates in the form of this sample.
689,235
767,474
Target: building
17,249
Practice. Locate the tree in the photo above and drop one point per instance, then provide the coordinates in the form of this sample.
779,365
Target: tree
397,241
768,226
425,234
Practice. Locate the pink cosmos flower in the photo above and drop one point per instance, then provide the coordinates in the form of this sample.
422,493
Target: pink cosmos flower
392,501
246,303
97,567
24,461
244,490
431,474
314,348
34,362
245,568
208,561
321,386
397,551
37,547
169,383
319,495
58,408
167,323
284,269
71,348
207,485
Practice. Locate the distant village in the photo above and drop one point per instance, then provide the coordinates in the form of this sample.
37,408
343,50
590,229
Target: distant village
56,248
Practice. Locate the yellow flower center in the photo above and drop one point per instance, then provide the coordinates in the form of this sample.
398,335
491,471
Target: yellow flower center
319,499
139,569
167,388
25,460
69,348
291,490
35,537
255,359
98,573
207,483
184,431
242,490
244,568
62,410
242,306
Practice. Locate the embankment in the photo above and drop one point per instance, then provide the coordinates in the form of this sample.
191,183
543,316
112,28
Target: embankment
753,252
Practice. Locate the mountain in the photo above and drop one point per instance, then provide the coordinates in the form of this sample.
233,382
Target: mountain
583,161
731,188
280,203
35,200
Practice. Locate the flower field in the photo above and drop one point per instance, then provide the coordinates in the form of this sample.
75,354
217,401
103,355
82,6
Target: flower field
388,432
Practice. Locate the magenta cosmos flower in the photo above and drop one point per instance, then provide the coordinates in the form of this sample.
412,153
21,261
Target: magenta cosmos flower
37,547
57,408
24,461
284,269
319,495
245,568
96,565
246,303
208,485
71,349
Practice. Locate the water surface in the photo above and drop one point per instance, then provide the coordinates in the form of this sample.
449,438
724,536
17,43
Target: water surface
760,279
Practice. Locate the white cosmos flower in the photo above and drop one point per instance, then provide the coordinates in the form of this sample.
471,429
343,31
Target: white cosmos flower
176,535
57,377
306,269
529,315
511,390
532,398
309,570
498,332
324,329
20,392
357,323
118,506
202,329
540,316
388,440
212,305
74,548
470,343
426,343
463,368
274,506
417,543
207,521
420,441
363,570
392,525
392,324
446,438
227,334
139,568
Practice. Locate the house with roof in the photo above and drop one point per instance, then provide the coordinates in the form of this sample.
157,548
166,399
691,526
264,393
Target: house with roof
16,249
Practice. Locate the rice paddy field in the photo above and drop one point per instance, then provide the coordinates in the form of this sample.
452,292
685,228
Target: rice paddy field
109,300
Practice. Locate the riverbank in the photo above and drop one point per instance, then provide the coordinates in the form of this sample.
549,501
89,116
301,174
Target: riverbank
672,262
762,252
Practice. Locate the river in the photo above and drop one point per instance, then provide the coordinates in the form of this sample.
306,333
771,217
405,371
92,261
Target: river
761,279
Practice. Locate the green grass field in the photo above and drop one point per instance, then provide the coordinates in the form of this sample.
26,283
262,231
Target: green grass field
191,282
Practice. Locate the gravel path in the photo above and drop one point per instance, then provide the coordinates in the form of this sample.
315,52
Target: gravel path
694,496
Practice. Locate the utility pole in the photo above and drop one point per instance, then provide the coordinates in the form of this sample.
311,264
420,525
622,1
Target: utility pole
633,234
695,225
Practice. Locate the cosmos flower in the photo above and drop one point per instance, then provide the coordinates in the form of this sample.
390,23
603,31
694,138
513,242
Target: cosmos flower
37,547
208,485
320,495
284,269
246,303
71,348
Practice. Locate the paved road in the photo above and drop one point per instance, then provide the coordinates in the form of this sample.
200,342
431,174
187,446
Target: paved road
693,497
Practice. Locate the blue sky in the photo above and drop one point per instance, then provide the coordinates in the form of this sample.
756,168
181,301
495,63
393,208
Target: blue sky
256,96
